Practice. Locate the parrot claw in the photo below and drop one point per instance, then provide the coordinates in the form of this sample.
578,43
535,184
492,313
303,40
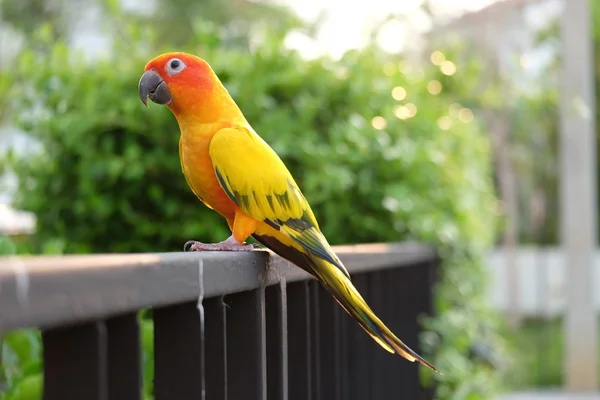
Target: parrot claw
230,244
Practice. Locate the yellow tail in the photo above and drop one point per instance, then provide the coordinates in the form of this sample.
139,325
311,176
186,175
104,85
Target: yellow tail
344,292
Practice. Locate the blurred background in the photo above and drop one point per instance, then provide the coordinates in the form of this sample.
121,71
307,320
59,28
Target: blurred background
428,120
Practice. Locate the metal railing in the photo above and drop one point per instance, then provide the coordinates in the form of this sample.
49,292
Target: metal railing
226,325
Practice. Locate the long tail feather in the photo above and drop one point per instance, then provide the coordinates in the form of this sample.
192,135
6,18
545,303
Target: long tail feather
344,292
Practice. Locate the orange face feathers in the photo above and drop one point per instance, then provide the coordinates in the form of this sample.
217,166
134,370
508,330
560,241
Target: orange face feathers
181,68
180,81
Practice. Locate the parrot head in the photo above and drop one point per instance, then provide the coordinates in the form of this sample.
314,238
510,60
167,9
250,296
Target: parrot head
180,81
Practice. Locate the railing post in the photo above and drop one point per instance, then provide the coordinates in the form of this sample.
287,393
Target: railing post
178,352
75,362
246,346
277,344
328,350
215,336
316,367
124,358
299,341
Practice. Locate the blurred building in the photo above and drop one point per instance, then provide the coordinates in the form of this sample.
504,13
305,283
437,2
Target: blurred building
13,222
505,33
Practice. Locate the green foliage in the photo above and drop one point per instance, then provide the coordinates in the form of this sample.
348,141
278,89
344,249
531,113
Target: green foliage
540,343
21,367
109,179
7,247
147,338
28,388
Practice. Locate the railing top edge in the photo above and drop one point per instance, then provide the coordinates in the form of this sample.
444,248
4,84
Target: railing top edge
50,290
108,260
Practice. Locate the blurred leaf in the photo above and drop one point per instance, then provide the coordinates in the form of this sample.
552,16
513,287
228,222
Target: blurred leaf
29,388
21,358
7,247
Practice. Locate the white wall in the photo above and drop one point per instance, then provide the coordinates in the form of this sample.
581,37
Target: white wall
542,280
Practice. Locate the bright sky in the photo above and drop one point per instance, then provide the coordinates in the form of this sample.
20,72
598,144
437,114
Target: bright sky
347,23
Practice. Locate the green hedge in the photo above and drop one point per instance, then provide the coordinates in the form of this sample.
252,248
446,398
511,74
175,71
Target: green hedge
109,178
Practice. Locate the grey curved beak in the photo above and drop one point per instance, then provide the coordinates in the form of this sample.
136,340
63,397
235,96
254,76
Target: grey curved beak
152,86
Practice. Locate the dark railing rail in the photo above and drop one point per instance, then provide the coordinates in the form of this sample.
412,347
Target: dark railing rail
226,325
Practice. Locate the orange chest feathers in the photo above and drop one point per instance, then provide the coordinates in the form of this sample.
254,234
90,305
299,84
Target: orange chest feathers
199,172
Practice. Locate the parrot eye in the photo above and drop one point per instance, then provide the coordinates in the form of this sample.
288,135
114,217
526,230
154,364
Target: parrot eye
175,66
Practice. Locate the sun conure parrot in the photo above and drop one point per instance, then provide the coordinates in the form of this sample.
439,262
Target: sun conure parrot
233,171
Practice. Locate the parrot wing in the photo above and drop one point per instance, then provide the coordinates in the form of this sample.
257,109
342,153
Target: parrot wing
255,178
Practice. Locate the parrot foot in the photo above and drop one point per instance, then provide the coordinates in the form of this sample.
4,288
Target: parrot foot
229,244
